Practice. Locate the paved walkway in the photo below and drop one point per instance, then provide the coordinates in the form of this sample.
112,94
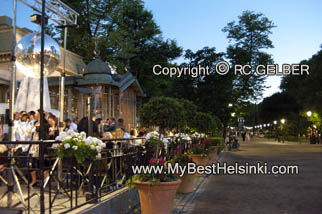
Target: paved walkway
282,194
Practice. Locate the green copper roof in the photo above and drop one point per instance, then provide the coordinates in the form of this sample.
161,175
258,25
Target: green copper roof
97,66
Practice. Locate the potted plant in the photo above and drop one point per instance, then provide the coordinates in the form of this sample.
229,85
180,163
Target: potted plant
76,146
199,155
156,190
213,147
187,180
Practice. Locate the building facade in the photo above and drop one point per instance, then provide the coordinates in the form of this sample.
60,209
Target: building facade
117,95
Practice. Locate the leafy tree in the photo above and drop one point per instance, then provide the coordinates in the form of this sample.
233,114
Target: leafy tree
307,88
212,93
190,110
186,86
203,122
164,112
126,36
277,106
249,36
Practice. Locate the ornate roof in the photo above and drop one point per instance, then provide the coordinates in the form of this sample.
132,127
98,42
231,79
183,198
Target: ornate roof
97,66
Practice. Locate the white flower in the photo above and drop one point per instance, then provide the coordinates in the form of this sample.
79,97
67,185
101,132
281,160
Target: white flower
93,147
66,145
87,141
99,156
68,138
83,135
63,134
164,140
98,148
55,145
100,143
75,147
90,139
59,138
71,133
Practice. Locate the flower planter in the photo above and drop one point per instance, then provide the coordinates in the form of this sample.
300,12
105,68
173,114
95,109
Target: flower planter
199,160
157,198
212,155
69,162
187,184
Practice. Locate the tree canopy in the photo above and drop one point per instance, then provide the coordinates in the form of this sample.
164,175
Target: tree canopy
125,35
249,37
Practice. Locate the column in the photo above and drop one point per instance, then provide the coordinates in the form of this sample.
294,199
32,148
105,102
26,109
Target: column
109,102
69,104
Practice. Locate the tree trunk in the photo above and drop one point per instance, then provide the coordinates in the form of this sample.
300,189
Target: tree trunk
224,132
158,145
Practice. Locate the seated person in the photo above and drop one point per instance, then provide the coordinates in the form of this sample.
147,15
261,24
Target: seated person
3,157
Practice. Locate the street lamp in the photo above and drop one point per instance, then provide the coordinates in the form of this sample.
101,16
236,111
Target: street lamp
230,105
309,113
233,114
312,137
283,121
275,122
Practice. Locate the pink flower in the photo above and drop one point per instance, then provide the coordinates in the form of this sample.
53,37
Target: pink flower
153,160
176,149
161,160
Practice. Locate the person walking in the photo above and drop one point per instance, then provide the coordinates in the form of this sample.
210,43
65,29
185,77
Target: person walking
244,136
247,137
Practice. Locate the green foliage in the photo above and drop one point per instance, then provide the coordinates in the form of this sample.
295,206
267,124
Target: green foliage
189,111
164,112
216,141
277,106
152,178
82,153
307,88
212,93
249,36
199,149
204,122
315,119
126,36
151,145
181,159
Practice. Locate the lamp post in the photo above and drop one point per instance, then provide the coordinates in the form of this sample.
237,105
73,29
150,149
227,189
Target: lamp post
276,131
283,122
312,137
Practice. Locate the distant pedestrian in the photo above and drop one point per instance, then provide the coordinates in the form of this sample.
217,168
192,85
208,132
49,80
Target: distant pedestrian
247,137
244,136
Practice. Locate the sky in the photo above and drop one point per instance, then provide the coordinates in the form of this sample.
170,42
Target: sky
195,24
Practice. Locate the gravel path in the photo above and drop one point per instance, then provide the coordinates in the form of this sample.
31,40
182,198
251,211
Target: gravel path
256,194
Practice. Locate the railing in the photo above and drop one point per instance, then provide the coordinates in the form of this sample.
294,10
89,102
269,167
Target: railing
64,185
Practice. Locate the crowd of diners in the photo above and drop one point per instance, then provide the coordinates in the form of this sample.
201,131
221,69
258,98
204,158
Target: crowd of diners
27,128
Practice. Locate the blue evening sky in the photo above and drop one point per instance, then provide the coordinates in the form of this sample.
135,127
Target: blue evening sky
195,24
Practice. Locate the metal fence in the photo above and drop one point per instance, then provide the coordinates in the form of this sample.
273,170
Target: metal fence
64,185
